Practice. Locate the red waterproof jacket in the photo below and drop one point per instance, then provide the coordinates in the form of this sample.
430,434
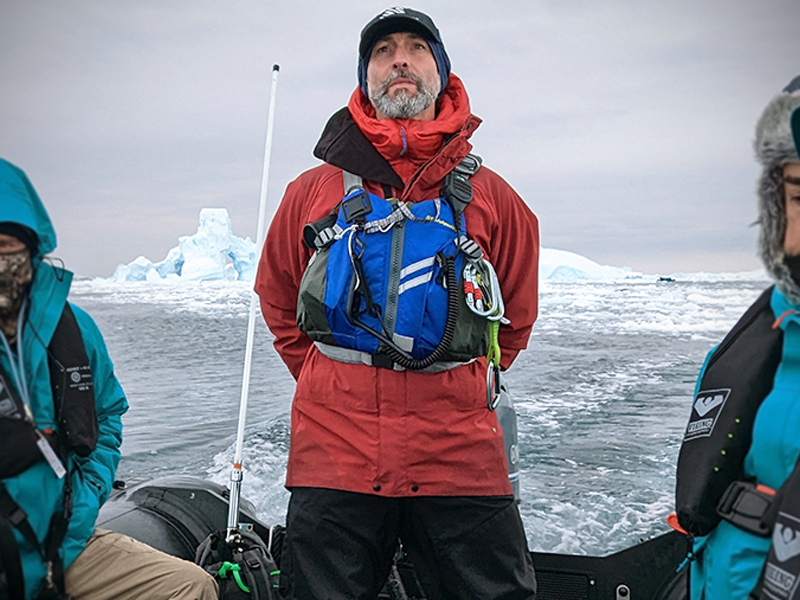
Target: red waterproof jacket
374,430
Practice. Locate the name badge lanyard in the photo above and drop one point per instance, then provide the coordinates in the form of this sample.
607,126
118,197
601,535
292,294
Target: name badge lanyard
18,373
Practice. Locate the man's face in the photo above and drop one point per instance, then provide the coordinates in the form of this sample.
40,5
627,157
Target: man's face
402,78
791,187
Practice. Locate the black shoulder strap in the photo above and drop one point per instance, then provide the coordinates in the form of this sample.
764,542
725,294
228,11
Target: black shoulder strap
456,186
760,309
12,515
12,582
73,387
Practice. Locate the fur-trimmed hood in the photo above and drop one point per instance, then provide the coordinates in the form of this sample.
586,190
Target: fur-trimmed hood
774,148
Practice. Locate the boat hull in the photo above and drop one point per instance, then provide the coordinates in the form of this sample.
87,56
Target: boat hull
175,514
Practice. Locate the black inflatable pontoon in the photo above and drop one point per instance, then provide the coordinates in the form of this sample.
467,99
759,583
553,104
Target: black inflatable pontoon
175,514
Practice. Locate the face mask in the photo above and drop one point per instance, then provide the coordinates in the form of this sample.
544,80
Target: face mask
16,272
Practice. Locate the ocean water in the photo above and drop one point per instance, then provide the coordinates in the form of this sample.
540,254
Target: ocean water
602,393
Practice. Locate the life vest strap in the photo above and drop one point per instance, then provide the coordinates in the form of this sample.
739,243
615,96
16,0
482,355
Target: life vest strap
352,182
73,387
12,582
356,357
747,505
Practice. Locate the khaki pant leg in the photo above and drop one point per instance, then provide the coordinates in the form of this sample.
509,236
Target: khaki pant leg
115,566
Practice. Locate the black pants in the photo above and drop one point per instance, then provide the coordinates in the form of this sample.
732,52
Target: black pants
340,545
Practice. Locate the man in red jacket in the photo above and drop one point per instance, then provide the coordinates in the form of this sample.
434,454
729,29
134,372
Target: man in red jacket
380,452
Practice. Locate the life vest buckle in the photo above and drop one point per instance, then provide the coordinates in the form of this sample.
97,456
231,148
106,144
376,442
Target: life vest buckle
356,207
746,505
316,235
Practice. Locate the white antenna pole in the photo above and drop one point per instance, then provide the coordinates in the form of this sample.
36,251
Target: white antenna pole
236,473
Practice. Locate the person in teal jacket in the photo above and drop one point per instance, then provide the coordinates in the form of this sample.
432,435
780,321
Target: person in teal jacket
729,560
33,295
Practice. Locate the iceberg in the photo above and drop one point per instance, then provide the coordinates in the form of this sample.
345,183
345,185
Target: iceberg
213,253
561,265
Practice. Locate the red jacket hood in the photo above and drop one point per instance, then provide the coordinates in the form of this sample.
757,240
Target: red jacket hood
436,146
408,143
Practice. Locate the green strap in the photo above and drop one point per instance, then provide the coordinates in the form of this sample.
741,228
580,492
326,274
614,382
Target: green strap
493,355
275,574
229,567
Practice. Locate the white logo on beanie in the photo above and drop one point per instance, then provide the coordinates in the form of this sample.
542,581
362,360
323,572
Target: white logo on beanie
397,10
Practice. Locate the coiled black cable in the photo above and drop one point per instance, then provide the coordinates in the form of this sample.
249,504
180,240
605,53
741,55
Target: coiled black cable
404,359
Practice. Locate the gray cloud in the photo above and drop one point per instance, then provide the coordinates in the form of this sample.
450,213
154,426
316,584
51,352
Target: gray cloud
626,126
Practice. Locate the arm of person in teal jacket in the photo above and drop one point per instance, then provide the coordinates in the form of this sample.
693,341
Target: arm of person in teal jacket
95,473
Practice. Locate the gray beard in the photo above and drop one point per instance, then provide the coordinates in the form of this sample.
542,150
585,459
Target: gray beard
403,105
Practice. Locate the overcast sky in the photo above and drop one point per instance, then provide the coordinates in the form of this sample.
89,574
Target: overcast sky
626,126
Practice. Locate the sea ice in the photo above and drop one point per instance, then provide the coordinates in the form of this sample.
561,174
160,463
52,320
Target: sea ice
213,253
560,265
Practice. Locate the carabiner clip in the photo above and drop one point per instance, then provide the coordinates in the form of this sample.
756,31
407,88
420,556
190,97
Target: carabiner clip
492,386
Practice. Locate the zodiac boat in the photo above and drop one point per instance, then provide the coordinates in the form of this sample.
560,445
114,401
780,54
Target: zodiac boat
175,514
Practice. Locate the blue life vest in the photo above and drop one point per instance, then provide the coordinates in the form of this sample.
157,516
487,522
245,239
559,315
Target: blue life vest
385,281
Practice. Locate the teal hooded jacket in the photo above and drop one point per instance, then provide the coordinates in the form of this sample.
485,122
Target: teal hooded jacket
38,491
729,559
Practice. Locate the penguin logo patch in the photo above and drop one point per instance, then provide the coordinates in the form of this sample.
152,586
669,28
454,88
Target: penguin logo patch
706,408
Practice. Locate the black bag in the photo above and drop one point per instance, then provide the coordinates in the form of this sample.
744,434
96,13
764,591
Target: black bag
20,437
244,569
